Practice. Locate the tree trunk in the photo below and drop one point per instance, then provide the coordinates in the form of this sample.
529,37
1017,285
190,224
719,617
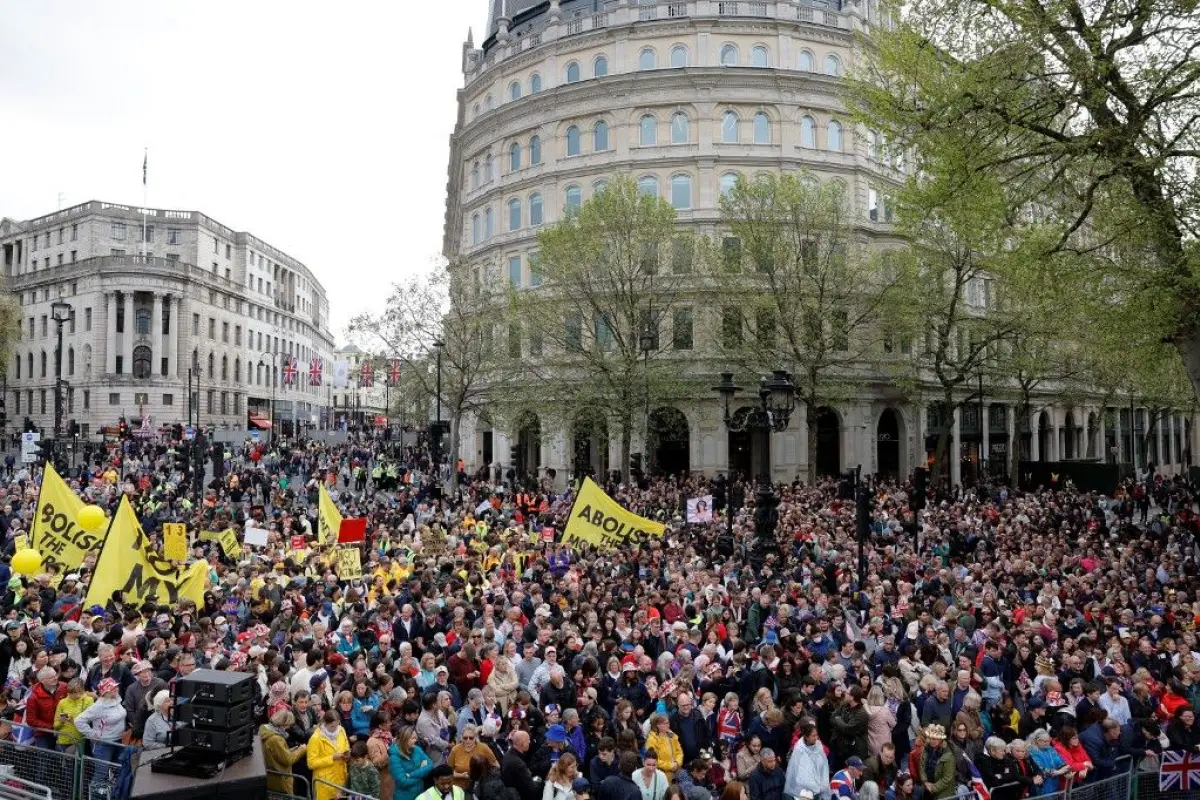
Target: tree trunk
627,446
941,464
811,424
1014,462
454,445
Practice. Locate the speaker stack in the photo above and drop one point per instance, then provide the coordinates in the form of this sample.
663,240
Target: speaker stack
213,716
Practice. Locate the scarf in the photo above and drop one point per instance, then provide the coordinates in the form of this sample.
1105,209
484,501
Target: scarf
276,730
383,735
333,739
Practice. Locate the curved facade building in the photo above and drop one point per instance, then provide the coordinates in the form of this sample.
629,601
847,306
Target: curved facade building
684,96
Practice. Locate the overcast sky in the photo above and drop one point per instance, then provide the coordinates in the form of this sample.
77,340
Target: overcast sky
321,128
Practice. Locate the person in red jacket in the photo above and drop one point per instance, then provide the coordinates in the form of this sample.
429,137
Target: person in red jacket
1073,752
41,705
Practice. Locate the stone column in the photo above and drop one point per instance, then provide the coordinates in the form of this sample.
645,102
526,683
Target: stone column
156,335
955,454
127,340
1010,426
110,347
1035,438
173,314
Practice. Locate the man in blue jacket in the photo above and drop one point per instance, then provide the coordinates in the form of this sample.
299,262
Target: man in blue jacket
1102,743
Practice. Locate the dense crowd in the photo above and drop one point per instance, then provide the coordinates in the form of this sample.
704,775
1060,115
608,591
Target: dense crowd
1026,640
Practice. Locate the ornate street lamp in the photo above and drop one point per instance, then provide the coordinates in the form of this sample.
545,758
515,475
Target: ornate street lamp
776,402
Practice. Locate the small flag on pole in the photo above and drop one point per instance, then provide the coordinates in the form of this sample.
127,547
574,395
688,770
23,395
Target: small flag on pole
145,164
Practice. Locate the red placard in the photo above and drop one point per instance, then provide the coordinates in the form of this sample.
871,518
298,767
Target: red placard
352,530
298,543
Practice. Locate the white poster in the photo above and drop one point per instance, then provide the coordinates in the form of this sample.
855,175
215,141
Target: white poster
341,374
699,509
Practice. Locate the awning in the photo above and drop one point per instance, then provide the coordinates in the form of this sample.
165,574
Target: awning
262,423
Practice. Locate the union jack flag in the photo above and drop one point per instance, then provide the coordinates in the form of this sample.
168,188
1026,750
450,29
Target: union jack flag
289,370
366,375
981,789
1178,770
394,373
314,372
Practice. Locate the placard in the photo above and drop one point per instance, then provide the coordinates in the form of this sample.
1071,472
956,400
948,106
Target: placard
175,541
349,563
255,536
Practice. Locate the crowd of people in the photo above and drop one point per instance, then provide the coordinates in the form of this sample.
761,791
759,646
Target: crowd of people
1022,640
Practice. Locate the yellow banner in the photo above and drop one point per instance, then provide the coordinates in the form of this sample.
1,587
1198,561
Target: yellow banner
55,534
598,519
329,519
175,541
349,563
229,543
129,565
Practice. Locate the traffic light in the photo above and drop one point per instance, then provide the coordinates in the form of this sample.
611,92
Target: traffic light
122,428
920,489
45,451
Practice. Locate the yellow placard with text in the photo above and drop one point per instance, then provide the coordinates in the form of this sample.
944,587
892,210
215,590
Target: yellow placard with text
329,519
128,564
598,519
55,534
175,541
229,543
20,542
349,563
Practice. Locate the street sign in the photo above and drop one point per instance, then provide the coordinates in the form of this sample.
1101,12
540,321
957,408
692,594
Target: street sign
29,447
255,436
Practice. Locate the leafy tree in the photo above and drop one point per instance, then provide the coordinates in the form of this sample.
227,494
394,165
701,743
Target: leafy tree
433,309
591,334
813,297
1085,113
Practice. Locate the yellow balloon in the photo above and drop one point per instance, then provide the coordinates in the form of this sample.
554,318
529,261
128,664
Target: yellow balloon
91,519
27,562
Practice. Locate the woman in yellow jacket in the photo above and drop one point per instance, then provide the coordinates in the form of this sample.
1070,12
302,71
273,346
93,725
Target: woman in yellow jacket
665,744
70,707
328,752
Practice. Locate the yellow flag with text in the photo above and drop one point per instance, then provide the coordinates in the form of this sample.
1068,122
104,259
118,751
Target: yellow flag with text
129,564
55,533
598,519
329,519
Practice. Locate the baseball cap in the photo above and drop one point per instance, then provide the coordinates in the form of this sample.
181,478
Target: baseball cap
855,762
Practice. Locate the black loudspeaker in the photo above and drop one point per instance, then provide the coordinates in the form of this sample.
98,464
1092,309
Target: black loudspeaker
214,719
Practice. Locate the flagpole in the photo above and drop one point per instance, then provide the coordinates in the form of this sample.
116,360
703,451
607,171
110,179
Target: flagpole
145,164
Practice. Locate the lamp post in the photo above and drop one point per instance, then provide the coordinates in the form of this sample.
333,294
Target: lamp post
436,439
776,402
60,311
647,343
271,412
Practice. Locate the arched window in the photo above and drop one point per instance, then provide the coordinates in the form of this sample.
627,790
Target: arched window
600,67
535,83
475,175
29,363
729,128
834,136
573,72
43,364
648,130
475,229
728,181
647,59
18,365
758,56
806,61
678,56
535,209
514,157
648,186
600,136
487,168
572,141
729,56
535,151
514,91
70,361
598,187
808,132
237,370
833,65
489,103
762,128
681,192
680,128
573,199
224,366
489,224
141,362
872,145
212,366
514,214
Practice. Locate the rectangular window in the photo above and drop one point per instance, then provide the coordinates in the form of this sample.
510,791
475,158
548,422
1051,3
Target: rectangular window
237,335
74,256
174,236
117,231
731,327
45,326
574,337
163,369
681,329
731,253
212,328
604,332
535,344
224,402
195,324
60,259
43,391
229,251
32,322
87,399
681,255
212,397
168,400
872,205
17,400
117,252
74,233
71,322
839,321
225,332
61,232
141,399
535,269
149,234
70,400
649,258
514,271
514,340
141,321
764,327
114,398
120,365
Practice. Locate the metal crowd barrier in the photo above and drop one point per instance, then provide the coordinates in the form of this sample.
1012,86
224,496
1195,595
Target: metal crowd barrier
65,775
300,787
338,791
